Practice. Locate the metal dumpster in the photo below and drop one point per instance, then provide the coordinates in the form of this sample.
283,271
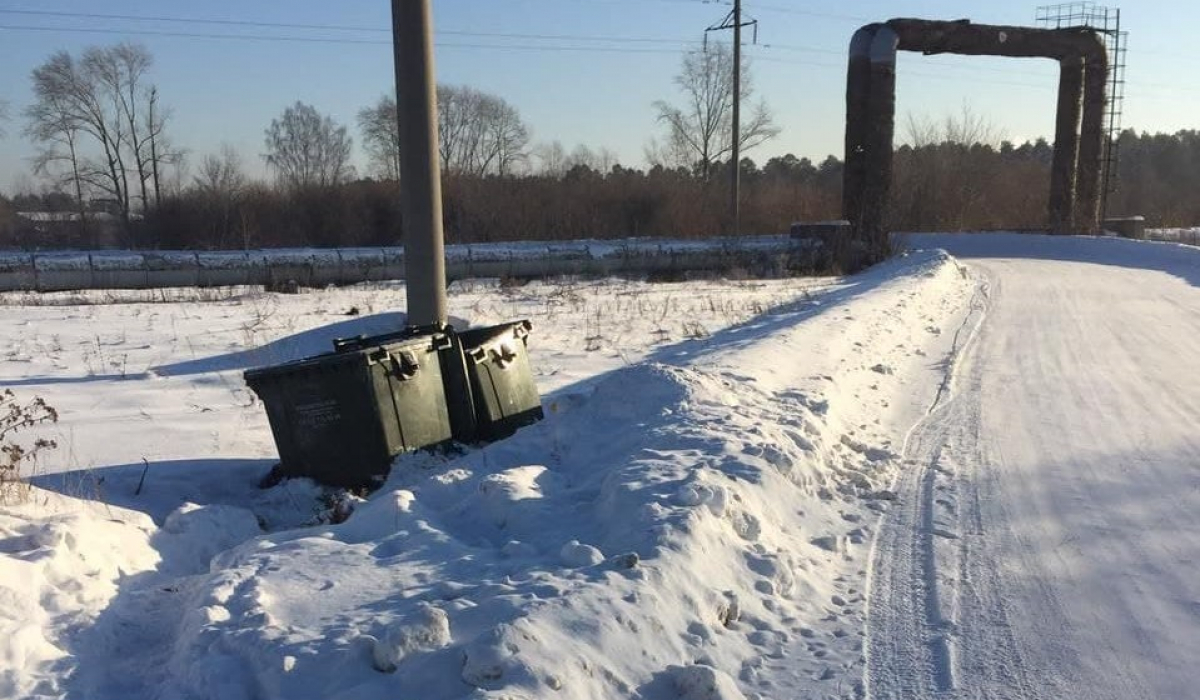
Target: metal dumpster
501,382
340,418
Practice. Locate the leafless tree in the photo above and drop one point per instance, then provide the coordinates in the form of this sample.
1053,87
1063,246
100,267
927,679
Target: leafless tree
162,152
967,128
307,149
699,132
601,161
552,159
3,117
220,188
58,120
479,134
100,125
117,73
381,137
221,174
945,175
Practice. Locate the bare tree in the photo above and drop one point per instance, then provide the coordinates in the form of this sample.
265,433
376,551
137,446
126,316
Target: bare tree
964,129
699,132
307,149
100,126
479,134
69,108
117,73
381,137
162,151
58,121
552,159
945,175
3,117
601,161
221,174
221,187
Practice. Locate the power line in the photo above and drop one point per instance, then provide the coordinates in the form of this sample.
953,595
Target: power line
812,13
676,43
188,35
193,20
327,40
332,27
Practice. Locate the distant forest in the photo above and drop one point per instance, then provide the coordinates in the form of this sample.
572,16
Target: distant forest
942,186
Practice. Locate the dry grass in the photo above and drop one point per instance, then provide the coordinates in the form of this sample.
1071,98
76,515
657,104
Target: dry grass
18,457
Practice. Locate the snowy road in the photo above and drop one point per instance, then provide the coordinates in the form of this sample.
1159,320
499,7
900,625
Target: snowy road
1046,538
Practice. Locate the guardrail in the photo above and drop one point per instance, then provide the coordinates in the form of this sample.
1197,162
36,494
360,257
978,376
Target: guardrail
312,267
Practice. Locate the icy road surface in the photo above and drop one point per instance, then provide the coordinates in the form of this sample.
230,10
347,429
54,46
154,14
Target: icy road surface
1047,534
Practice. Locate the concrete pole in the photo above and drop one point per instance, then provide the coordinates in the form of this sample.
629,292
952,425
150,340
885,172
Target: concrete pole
1066,146
420,173
735,203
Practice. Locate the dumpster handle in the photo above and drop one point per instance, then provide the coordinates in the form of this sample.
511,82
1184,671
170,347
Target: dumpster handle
404,364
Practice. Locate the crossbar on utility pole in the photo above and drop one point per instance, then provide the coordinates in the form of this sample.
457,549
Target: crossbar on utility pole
734,21
420,176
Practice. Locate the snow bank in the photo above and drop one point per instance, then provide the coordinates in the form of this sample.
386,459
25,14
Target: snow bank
689,527
63,561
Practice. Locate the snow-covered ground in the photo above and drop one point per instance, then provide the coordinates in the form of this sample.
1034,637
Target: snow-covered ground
948,477
1048,533
691,520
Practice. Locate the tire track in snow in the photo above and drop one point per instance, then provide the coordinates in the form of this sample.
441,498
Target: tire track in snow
1068,475
922,564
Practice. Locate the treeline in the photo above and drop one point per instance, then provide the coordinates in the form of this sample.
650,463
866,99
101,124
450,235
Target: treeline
582,203
113,177
938,186
955,185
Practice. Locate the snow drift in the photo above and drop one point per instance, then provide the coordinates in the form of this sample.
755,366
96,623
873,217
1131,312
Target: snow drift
691,526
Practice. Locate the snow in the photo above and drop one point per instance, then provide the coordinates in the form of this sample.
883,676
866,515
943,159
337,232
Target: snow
425,629
62,562
1044,539
227,260
117,261
15,261
315,266
948,477
693,519
1190,236
67,262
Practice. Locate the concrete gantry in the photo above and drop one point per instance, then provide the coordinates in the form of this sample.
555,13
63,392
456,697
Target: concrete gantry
1075,179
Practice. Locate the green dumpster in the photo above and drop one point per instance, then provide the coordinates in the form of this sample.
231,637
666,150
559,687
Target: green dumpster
340,418
501,382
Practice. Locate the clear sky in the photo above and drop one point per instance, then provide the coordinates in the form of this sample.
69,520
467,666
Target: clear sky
582,71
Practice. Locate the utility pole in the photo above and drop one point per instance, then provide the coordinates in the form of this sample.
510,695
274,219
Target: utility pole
420,176
734,21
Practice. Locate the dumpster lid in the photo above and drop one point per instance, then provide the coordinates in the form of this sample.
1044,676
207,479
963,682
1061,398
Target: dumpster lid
348,355
483,336
357,342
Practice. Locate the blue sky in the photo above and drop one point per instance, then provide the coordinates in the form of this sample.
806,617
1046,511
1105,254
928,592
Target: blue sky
575,90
